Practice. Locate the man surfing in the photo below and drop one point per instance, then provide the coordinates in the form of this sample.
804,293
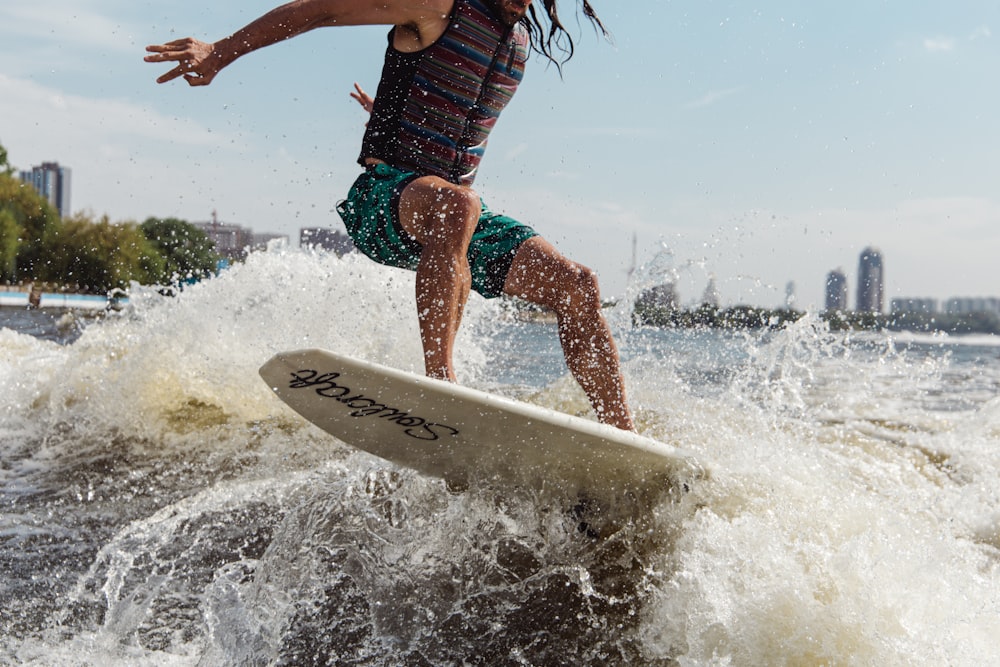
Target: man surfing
451,66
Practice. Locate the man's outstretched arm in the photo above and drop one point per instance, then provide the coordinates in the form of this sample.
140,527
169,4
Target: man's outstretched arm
199,62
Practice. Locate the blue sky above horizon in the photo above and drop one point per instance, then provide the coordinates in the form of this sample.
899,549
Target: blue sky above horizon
758,144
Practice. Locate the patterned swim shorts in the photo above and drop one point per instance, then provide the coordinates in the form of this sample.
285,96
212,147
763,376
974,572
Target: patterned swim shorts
371,215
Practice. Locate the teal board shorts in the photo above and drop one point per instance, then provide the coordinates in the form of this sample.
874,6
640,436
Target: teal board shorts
371,215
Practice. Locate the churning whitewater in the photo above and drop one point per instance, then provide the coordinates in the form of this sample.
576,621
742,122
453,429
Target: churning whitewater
161,507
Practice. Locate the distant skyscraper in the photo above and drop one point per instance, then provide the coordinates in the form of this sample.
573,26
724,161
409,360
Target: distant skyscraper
52,182
790,295
836,291
871,281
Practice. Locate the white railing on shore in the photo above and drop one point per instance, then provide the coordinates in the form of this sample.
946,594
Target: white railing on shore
58,300
16,299
73,301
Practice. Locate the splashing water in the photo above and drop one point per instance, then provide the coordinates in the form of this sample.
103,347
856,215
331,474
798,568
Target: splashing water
160,507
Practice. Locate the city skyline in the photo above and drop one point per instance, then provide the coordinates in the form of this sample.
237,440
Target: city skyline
758,145
233,239
869,294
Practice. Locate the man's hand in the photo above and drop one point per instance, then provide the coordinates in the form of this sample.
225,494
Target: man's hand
197,62
366,101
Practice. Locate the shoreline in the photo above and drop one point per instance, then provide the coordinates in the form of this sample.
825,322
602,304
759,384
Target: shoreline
749,317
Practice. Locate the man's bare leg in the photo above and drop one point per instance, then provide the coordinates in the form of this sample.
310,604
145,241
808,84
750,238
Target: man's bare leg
442,217
540,274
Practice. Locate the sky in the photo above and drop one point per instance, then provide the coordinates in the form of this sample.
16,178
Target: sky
755,144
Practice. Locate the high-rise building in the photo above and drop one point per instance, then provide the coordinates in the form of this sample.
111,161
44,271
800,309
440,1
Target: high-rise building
836,291
871,281
52,182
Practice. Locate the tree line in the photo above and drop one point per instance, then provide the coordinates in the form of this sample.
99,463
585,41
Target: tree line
91,255
752,317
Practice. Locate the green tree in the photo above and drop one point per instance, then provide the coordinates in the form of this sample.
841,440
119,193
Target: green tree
5,167
187,251
10,241
10,229
35,219
99,256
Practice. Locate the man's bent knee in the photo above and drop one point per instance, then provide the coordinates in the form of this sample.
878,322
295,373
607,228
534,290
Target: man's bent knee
439,213
581,290
543,276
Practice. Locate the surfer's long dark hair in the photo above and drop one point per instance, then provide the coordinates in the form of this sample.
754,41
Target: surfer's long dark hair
557,39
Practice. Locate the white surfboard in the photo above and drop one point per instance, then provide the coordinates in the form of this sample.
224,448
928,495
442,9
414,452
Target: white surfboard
464,435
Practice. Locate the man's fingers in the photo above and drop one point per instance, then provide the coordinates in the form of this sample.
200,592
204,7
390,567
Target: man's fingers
175,45
171,75
158,55
163,58
181,50
175,50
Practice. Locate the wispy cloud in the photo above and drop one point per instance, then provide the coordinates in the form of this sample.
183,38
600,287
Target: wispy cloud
946,44
713,97
65,22
982,32
939,44
57,117
127,160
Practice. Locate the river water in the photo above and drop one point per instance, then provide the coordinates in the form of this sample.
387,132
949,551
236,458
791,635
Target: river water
158,506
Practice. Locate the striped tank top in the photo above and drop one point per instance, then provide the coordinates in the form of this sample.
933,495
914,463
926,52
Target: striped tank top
434,109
